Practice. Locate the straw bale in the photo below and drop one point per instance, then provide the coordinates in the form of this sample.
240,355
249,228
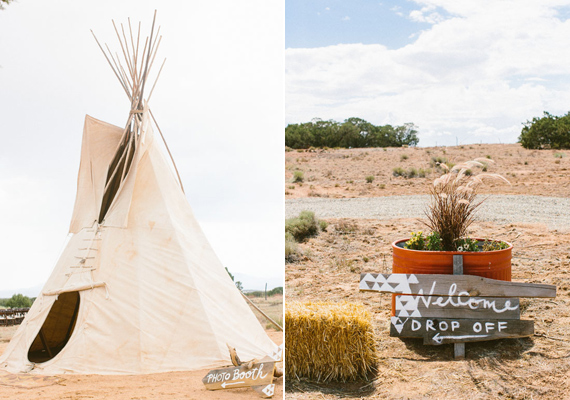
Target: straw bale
328,341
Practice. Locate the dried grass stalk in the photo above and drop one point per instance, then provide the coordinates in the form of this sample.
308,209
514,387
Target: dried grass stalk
328,341
454,202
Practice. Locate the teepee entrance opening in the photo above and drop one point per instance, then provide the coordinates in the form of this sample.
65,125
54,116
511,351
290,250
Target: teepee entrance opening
56,329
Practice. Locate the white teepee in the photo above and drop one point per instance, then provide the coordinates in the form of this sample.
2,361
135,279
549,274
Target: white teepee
138,289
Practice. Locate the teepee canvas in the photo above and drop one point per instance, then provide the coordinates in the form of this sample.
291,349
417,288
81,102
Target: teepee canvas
138,288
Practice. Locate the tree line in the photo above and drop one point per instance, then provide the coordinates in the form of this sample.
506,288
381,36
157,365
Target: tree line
17,301
353,132
549,131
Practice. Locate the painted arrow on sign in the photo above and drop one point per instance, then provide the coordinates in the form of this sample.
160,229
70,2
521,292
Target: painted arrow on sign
439,339
437,331
226,384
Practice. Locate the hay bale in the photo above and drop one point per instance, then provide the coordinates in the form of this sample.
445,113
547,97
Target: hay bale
328,341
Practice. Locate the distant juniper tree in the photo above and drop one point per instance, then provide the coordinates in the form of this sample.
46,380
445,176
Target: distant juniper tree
549,131
238,284
19,301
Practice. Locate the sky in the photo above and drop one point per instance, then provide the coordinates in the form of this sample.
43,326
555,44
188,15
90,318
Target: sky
462,71
219,103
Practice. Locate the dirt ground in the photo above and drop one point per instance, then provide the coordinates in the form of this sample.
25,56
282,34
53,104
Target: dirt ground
530,368
342,173
165,386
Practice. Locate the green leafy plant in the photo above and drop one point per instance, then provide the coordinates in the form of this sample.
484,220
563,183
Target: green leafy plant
467,244
369,179
492,245
431,242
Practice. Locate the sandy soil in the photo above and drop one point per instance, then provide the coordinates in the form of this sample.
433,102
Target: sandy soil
171,385
531,368
342,173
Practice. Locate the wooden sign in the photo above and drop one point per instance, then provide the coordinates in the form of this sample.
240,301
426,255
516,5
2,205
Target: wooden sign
265,390
260,374
437,331
457,307
452,285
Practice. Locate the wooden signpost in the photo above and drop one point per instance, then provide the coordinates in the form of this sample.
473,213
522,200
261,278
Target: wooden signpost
258,376
456,308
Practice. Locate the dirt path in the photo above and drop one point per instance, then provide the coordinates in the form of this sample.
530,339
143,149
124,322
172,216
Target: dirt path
165,386
551,211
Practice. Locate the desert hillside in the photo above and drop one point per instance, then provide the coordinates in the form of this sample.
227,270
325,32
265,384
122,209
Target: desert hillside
343,173
329,267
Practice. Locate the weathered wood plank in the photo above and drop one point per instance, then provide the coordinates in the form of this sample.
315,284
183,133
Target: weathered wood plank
452,285
457,307
265,391
236,377
459,348
453,330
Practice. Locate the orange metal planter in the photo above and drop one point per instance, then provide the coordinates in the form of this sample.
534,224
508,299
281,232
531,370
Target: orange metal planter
488,264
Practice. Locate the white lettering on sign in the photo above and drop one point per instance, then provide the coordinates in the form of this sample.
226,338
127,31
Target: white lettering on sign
408,305
442,326
254,374
416,325
223,376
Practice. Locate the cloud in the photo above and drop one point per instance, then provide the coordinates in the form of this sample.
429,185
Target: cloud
397,10
426,14
474,74
346,18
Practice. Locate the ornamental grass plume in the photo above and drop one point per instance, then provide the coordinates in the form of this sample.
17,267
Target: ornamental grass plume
454,201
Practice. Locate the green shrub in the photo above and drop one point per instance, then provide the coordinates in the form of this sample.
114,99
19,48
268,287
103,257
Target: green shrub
550,131
298,176
403,157
436,161
422,173
369,179
412,172
302,227
292,251
399,171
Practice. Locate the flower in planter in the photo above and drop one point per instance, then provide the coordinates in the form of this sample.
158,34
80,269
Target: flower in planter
452,210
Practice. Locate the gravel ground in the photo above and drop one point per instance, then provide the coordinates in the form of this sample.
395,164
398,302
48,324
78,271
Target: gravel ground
502,209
